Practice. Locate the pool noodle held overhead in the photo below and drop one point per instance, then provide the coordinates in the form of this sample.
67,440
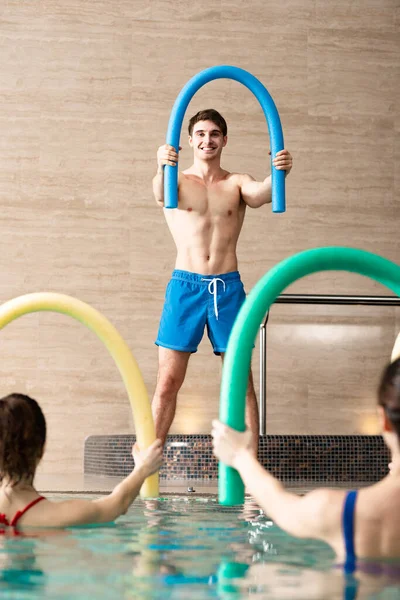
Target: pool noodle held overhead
270,112
240,345
119,350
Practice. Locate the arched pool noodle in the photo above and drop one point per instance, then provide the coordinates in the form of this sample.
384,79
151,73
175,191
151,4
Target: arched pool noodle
270,112
238,355
396,349
116,346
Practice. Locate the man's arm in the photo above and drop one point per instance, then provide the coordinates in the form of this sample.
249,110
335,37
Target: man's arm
158,186
166,155
257,193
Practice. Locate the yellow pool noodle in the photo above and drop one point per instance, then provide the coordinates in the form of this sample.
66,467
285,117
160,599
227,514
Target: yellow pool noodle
396,349
119,350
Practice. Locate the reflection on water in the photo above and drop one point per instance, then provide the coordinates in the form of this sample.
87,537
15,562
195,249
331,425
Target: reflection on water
179,548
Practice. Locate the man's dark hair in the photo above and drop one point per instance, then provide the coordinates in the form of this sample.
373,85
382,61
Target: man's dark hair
209,114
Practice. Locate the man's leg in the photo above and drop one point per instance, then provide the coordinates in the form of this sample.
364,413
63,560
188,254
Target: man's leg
230,301
252,415
172,366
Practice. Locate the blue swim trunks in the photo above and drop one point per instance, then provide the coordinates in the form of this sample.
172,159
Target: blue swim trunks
193,302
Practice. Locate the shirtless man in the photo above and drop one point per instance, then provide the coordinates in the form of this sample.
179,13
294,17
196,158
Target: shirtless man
205,289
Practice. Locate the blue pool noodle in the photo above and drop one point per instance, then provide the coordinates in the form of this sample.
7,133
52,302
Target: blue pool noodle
270,112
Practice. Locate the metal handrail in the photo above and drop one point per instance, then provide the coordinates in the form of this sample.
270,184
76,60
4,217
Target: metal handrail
308,299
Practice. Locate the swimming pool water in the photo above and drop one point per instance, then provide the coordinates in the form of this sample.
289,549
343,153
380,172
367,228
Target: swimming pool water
175,548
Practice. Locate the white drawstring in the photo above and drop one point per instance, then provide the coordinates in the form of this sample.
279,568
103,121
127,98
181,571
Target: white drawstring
212,288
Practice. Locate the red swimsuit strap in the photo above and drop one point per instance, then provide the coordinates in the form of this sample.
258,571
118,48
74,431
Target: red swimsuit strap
3,519
19,514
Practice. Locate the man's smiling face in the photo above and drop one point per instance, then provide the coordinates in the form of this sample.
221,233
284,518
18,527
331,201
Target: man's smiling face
207,140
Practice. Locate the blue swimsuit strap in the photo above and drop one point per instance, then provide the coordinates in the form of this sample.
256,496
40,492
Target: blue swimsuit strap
348,526
351,583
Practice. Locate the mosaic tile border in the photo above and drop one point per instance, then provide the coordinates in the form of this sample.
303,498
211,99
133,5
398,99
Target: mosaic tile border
303,458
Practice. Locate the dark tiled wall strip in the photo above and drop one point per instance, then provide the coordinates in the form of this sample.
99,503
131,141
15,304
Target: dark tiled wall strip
331,458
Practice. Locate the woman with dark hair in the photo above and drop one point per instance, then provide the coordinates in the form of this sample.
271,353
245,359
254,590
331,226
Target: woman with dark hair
363,523
22,443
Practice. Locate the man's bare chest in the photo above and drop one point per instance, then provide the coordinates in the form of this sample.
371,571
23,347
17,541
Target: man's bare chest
222,198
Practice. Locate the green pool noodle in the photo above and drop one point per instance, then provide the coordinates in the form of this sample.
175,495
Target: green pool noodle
244,332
